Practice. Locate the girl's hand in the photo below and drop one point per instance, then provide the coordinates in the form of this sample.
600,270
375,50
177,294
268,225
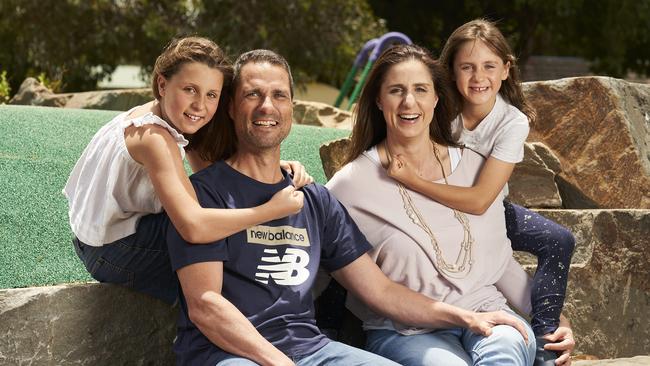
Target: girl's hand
401,171
300,176
563,343
288,201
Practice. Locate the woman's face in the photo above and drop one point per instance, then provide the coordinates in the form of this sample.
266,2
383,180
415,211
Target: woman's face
407,98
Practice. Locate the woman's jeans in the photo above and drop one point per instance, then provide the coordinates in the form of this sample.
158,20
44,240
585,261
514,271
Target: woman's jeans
455,347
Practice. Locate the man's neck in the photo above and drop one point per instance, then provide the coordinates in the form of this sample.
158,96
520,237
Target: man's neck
261,166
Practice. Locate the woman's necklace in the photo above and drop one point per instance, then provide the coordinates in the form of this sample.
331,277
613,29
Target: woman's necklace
463,264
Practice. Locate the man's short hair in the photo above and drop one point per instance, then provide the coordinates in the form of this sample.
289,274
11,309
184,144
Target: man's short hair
260,56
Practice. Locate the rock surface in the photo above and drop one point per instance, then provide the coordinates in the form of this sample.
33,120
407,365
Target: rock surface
32,92
532,183
599,128
609,282
332,155
634,361
114,100
321,115
84,324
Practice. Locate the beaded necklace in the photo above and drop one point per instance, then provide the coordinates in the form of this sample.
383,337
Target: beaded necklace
463,264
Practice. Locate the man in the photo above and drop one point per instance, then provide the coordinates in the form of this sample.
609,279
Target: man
246,300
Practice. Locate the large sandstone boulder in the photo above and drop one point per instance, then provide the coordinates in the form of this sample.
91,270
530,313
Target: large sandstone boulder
114,100
332,155
608,295
32,92
84,324
321,115
532,183
599,128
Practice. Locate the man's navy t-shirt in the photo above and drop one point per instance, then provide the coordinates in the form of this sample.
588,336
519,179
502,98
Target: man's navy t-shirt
269,269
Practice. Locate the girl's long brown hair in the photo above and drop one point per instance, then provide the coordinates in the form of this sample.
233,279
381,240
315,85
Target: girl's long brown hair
208,141
487,32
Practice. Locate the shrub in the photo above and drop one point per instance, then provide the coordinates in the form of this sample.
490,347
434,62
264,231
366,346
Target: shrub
5,88
53,84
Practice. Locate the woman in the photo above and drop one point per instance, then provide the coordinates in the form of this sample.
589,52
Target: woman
445,254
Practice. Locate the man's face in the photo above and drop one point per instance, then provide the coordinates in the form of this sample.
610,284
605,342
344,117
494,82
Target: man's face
261,108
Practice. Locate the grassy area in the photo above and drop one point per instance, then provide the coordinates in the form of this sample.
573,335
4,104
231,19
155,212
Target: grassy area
39,147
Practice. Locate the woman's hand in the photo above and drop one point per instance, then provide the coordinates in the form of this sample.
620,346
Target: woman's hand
562,342
482,323
300,176
288,201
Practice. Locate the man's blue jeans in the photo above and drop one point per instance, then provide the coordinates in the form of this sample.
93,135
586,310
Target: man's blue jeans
455,347
334,353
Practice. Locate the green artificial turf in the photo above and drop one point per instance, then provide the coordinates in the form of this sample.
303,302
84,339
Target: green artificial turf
39,147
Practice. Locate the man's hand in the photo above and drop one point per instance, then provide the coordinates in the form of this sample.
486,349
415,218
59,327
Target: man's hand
562,342
482,323
300,176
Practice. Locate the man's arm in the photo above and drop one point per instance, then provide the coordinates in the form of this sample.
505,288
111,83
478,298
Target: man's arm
366,281
219,320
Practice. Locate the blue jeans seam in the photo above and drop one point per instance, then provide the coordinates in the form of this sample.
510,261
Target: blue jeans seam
101,261
135,247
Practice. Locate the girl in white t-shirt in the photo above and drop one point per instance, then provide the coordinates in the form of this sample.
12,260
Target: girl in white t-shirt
133,168
493,121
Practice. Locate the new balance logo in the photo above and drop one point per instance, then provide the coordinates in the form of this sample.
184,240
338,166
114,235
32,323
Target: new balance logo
288,270
277,235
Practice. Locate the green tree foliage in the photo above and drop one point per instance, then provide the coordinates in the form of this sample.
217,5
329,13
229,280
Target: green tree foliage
79,42
5,89
319,38
613,34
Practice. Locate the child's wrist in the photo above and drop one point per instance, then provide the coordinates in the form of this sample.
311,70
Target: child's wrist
271,211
